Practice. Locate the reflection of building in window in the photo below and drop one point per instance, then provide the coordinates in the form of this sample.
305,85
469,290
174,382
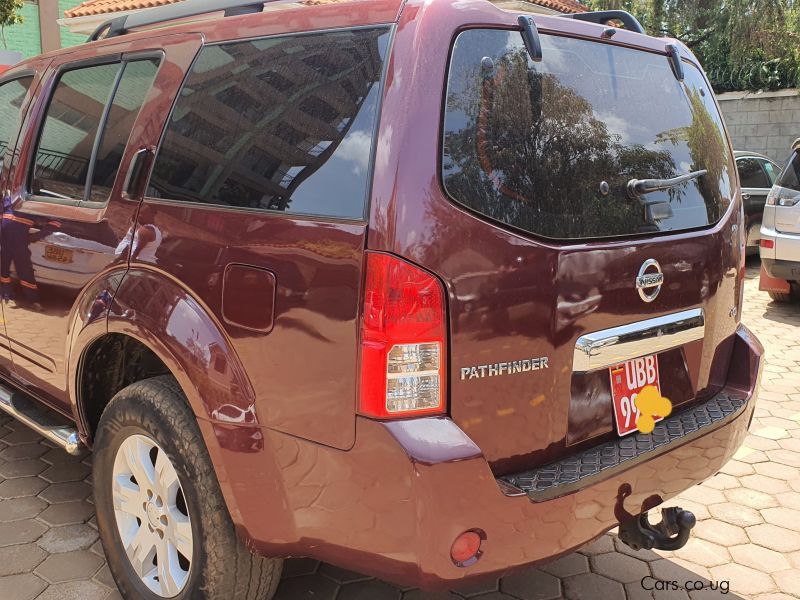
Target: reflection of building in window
74,120
12,95
257,118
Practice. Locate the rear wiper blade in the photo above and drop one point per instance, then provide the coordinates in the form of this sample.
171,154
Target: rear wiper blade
640,187
530,35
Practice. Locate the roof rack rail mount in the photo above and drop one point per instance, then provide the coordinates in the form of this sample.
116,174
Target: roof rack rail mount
604,17
172,12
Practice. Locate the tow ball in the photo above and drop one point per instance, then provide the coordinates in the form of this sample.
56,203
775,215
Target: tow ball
671,533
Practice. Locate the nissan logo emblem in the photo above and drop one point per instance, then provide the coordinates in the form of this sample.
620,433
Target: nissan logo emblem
649,280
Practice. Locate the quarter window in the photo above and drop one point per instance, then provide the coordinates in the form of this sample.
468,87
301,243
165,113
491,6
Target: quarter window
283,123
82,133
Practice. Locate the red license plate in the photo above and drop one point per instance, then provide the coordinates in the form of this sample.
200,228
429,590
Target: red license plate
627,381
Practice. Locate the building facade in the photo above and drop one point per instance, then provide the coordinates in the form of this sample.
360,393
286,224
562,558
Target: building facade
40,31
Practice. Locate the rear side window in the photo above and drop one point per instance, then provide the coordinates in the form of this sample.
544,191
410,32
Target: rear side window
751,175
12,101
532,145
70,128
790,176
281,123
87,124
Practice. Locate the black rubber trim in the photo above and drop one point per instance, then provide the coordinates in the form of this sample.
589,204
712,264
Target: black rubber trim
601,462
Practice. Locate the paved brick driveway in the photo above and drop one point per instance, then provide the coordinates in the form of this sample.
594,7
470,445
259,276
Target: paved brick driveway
748,532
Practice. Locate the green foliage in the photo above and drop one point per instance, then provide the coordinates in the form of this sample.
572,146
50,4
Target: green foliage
9,15
743,44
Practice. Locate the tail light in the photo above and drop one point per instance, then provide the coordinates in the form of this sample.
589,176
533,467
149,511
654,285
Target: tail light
403,340
781,196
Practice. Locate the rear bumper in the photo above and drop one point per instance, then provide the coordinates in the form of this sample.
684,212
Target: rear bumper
392,505
782,269
783,259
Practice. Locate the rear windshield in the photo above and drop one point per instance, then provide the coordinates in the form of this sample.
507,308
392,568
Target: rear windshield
790,176
550,147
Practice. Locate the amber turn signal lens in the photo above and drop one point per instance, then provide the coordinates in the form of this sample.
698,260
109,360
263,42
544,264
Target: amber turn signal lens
466,549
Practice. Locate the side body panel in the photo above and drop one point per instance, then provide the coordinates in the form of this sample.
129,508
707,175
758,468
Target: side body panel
303,369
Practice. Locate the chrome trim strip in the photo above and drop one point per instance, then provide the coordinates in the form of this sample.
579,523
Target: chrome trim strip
610,347
65,437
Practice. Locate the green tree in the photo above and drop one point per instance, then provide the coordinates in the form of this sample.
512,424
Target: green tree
9,15
743,44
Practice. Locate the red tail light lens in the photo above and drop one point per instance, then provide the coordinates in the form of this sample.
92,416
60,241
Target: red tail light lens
767,243
403,340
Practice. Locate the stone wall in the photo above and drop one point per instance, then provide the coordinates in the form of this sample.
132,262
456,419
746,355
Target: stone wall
766,122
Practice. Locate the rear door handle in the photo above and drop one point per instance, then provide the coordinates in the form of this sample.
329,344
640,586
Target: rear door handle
138,173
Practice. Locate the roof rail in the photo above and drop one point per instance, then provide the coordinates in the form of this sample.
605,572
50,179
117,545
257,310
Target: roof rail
171,12
603,17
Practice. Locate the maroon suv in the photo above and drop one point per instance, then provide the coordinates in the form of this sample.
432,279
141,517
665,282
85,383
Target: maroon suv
376,282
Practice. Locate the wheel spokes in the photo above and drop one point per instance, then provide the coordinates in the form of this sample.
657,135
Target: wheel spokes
137,457
166,477
180,533
142,550
128,497
170,575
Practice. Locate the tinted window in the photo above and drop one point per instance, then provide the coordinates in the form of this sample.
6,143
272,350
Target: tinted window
529,144
12,101
70,128
134,85
790,177
279,124
751,174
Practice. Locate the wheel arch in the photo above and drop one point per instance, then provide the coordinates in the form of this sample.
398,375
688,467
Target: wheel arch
162,314
148,315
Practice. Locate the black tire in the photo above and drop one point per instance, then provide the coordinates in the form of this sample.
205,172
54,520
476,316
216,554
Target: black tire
221,567
793,295
781,296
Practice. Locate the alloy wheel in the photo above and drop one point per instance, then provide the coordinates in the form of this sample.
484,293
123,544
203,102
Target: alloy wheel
152,516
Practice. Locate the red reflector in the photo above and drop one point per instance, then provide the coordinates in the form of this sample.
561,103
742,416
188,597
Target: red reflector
466,548
767,243
402,340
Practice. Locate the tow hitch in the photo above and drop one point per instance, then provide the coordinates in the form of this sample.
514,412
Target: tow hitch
671,533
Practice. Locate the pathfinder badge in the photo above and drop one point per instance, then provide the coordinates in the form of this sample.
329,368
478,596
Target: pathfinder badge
504,368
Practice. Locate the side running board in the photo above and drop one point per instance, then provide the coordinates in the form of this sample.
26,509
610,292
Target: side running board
41,419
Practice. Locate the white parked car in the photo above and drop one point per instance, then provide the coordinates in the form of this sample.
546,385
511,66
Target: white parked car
780,229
